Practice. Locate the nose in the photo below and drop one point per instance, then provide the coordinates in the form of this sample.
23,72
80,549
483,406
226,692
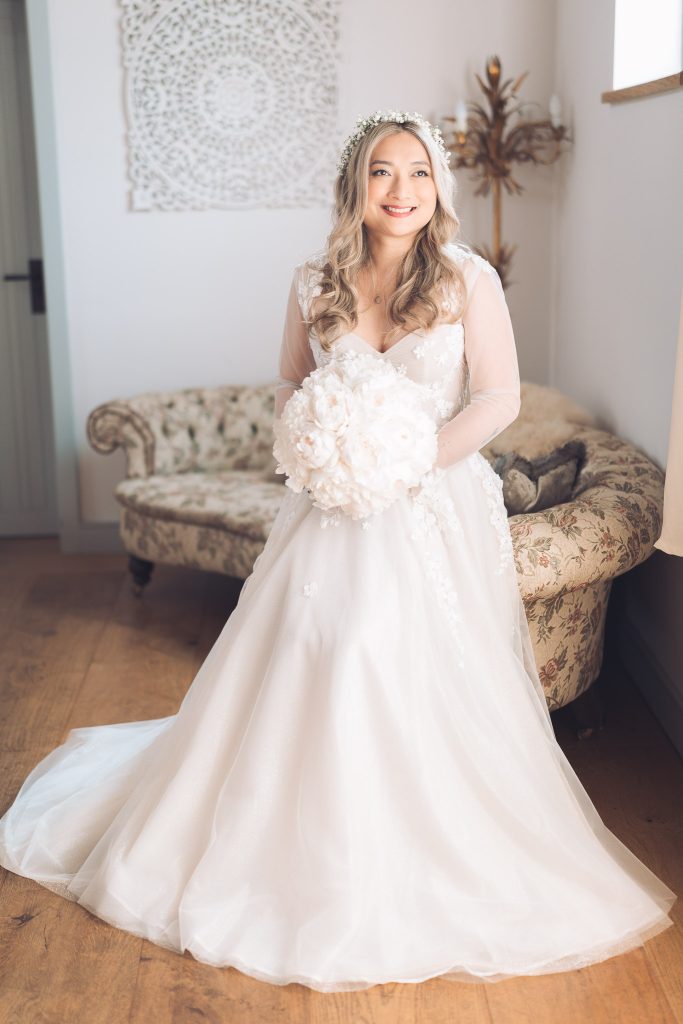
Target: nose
400,188
400,198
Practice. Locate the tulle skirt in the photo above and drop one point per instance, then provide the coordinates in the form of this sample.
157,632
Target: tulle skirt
361,785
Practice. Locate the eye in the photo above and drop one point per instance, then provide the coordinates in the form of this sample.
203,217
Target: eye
383,170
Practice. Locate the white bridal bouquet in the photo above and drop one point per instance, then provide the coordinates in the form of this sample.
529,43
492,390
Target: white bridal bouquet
358,434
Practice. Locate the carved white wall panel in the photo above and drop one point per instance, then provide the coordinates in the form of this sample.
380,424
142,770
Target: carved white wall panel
231,104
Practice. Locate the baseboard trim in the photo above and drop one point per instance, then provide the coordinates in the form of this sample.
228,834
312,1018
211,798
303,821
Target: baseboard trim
658,688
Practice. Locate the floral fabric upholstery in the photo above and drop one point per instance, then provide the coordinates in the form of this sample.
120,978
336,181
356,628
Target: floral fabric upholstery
197,547
609,526
194,429
239,501
200,492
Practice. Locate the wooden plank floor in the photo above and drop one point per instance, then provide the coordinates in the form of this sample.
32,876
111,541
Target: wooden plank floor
77,648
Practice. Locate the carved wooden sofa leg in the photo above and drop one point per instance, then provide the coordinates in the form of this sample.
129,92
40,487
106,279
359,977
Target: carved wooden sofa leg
589,709
141,571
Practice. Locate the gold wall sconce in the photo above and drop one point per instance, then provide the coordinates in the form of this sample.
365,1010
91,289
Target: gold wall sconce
491,141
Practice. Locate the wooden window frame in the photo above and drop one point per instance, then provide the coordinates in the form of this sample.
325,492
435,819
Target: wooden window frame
634,92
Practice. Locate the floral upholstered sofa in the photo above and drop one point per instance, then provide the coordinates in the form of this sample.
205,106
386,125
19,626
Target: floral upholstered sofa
201,491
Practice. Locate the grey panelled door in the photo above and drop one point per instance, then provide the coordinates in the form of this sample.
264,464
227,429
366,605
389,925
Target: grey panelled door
27,471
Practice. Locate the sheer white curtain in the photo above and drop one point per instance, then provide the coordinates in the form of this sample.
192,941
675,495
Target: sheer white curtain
671,537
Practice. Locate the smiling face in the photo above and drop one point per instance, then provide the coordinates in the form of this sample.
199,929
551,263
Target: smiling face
401,190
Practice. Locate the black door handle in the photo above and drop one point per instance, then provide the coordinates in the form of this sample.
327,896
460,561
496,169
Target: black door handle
37,284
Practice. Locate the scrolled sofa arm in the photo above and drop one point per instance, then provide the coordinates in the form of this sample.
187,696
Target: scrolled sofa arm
608,527
115,425
188,430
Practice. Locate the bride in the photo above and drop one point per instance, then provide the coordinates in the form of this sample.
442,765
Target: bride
362,784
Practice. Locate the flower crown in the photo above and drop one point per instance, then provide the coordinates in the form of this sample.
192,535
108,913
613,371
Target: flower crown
364,123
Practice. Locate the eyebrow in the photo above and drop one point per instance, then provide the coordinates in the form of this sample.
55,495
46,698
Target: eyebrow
391,164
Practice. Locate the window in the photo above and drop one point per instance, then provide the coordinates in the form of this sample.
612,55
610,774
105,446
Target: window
648,48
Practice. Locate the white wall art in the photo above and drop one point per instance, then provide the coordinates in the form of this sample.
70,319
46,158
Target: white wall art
231,104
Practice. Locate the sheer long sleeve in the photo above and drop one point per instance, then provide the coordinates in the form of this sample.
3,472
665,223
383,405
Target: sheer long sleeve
296,357
494,383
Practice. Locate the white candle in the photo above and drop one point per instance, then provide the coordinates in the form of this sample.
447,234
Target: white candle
555,108
461,116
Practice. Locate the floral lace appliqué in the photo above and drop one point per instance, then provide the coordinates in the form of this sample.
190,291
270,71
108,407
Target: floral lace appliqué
330,518
322,357
440,390
333,517
493,487
435,521
435,341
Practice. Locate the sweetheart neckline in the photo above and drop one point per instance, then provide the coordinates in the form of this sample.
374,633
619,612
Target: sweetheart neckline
352,334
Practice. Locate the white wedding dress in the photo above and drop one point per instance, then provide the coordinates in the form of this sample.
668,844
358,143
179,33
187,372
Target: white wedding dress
362,784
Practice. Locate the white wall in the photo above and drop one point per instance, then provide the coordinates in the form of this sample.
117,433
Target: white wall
619,239
164,300
619,245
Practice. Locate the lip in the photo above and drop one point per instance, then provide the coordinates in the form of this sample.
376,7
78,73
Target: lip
390,213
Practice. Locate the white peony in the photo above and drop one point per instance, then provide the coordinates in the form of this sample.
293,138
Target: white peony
358,434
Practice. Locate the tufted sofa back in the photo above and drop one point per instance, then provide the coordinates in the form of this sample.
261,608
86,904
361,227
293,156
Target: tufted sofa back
188,430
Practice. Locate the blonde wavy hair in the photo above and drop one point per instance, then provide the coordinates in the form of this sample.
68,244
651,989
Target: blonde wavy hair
426,275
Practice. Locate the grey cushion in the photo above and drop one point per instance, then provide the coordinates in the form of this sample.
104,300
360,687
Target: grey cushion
531,485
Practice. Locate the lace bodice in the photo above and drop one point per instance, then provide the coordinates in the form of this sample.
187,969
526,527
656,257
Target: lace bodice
469,367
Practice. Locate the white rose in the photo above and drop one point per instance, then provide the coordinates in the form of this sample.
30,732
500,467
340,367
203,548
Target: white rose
316,447
356,435
330,410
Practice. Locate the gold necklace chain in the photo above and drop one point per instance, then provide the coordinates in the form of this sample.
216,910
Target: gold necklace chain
377,295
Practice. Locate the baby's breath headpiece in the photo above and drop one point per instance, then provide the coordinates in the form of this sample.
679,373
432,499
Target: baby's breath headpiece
364,123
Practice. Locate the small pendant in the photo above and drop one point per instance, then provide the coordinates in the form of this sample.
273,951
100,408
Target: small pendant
378,298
